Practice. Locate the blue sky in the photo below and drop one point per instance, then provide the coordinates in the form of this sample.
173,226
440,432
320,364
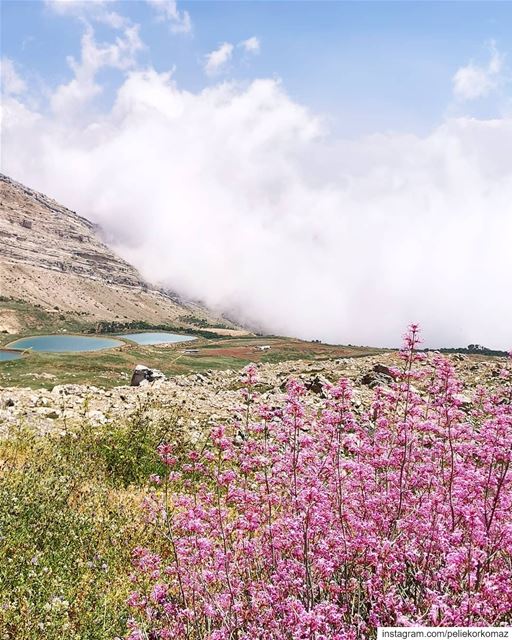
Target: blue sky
367,66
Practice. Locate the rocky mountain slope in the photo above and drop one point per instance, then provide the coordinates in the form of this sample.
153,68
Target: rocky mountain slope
52,257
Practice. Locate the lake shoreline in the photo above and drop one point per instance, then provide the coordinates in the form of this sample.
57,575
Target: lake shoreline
80,343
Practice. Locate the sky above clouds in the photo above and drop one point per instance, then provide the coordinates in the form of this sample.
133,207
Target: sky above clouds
328,170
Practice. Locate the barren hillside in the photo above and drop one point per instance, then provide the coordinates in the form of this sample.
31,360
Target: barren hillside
52,257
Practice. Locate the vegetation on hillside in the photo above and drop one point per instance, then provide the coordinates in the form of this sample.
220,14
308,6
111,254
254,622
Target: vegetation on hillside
34,319
69,516
120,327
475,349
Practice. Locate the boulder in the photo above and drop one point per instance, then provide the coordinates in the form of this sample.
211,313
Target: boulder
142,373
385,370
463,401
373,379
316,385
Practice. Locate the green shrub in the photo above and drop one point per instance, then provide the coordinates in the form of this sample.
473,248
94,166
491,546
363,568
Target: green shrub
69,515
128,449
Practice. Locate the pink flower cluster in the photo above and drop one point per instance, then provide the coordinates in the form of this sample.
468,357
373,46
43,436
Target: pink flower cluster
325,525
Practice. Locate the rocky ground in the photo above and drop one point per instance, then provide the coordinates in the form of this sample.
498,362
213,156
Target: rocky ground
211,395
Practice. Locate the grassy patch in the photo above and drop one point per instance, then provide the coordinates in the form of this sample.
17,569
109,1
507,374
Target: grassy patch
69,518
36,320
113,367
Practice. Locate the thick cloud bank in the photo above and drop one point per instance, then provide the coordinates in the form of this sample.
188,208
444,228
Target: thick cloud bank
239,197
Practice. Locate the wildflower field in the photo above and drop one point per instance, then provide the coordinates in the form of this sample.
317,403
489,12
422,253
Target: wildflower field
289,525
286,522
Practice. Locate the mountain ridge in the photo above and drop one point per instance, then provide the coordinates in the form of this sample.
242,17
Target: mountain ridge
53,258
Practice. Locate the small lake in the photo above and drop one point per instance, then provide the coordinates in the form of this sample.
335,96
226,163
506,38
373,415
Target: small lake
9,355
155,337
61,344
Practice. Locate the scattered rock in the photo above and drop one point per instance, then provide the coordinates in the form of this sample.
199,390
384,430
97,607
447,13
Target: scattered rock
141,373
385,370
381,374
96,417
212,397
463,401
373,379
316,385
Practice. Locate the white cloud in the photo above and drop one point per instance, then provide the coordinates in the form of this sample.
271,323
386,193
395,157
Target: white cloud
251,45
12,83
121,54
67,7
217,59
167,10
96,10
473,81
239,197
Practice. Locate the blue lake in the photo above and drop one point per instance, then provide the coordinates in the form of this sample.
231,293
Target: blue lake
155,337
65,343
9,355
